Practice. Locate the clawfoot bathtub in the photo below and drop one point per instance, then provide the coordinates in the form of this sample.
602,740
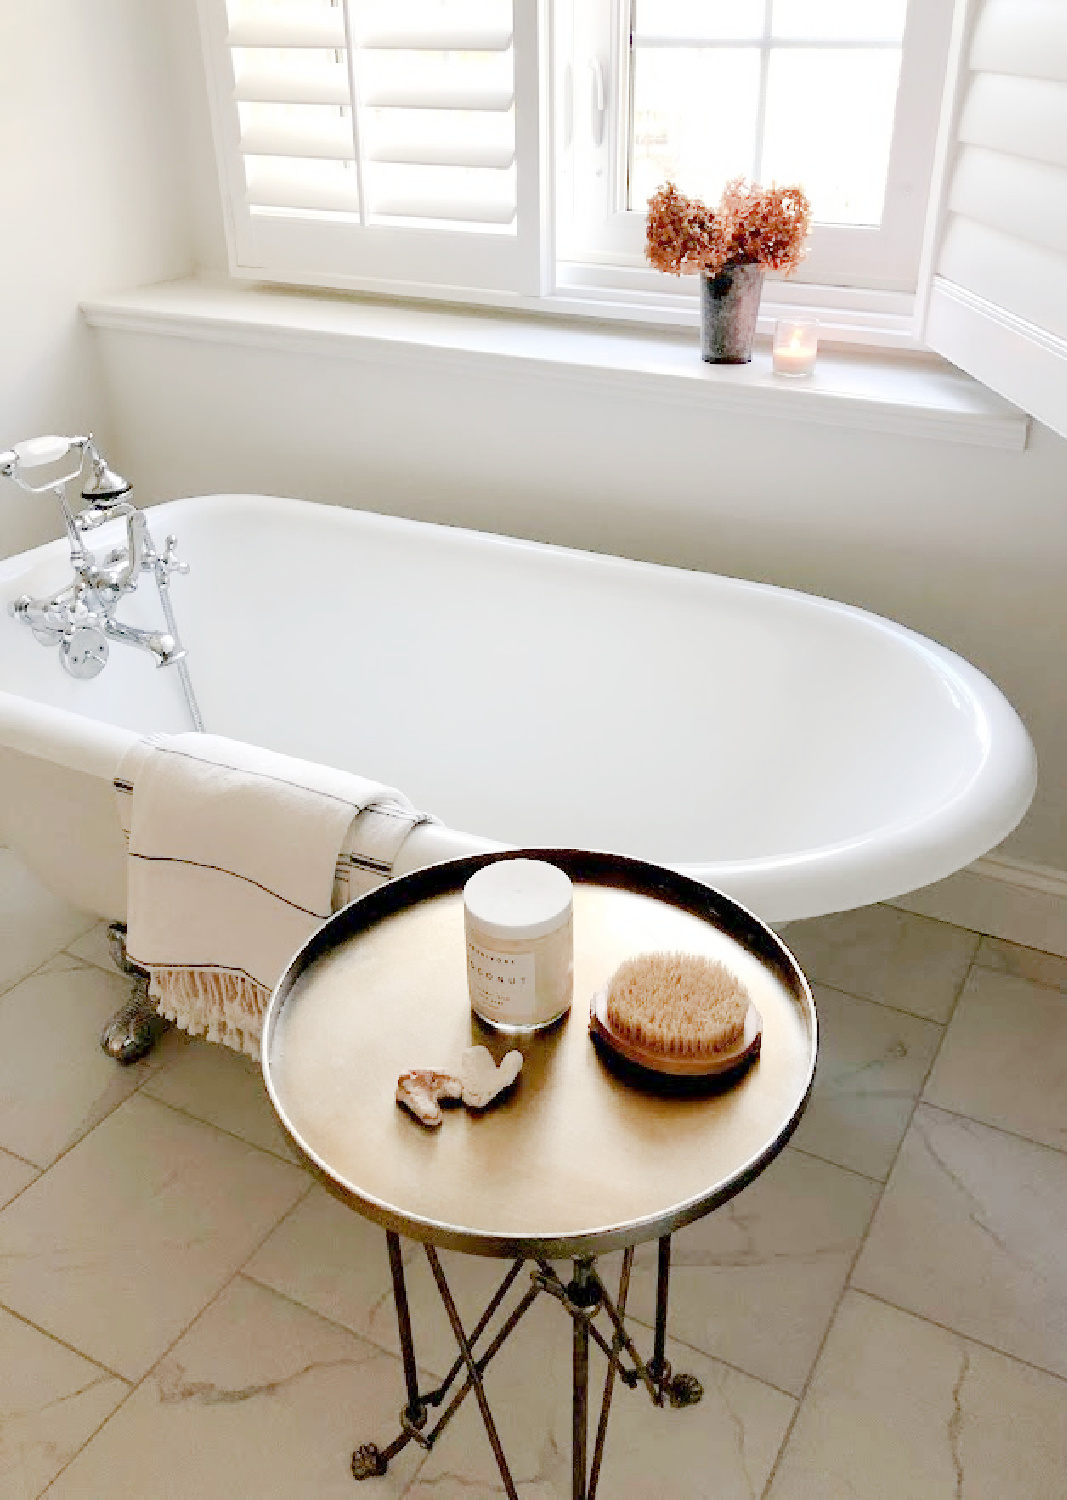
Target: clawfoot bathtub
801,755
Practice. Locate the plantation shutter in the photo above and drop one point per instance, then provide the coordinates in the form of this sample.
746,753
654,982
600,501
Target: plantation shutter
381,144
996,302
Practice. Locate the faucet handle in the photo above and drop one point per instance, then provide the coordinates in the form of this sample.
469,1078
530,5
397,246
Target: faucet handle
170,556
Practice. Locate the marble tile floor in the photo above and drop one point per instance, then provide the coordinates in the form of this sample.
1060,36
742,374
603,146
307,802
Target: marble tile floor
184,1313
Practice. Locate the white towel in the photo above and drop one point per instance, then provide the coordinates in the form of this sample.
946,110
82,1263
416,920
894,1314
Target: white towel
236,856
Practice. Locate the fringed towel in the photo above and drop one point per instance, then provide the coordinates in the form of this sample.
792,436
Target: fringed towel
236,855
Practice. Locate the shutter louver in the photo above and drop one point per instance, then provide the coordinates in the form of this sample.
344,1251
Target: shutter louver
997,303
293,95
438,94
362,134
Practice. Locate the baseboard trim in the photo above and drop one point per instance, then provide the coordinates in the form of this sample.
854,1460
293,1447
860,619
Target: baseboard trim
1002,897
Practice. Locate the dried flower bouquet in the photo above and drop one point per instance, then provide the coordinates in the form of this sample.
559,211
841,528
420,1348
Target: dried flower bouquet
752,226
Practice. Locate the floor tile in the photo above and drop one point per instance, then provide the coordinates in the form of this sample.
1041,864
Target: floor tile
971,1233
333,1261
34,924
136,1232
14,1176
93,947
224,1088
872,1062
733,1434
1024,963
258,1398
889,956
55,1082
1004,1060
898,1408
756,1282
51,1401
121,1243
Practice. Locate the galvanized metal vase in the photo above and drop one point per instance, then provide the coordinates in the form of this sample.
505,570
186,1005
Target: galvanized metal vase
729,307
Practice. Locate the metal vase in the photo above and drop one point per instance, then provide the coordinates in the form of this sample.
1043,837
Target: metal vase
729,307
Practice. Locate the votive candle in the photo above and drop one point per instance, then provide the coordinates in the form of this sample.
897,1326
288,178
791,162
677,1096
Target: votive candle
795,347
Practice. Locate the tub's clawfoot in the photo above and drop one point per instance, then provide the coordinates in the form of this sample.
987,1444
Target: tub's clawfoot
134,1030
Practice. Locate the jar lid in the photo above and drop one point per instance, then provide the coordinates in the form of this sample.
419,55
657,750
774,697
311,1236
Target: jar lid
518,898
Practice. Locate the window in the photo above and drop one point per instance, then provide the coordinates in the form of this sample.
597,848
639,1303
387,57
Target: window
716,89
404,145
442,148
841,97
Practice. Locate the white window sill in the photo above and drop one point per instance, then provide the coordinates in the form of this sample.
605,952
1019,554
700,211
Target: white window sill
911,395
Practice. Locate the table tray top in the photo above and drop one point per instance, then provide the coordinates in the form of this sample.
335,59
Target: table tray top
580,1157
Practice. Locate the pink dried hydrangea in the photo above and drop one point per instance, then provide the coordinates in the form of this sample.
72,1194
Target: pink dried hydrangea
752,225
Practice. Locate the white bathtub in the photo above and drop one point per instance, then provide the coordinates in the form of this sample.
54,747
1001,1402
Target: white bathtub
801,755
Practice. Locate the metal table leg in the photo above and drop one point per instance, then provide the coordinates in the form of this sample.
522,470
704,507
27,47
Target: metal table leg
415,1409
661,1370
584,1297
680,1390
473,1371
583,1303
609,1379
369,1461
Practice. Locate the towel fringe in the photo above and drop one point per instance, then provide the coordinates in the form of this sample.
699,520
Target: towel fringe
220,1004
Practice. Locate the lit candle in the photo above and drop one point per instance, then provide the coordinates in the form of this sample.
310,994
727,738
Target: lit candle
795,347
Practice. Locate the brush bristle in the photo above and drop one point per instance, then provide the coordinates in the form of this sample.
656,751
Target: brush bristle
677,1004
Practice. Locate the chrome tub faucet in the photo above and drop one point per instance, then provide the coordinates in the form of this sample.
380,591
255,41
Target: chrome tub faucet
80,619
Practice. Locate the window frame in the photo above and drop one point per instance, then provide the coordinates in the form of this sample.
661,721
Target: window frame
875,261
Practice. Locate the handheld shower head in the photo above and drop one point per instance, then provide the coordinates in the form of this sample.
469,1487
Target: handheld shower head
35,453
17,462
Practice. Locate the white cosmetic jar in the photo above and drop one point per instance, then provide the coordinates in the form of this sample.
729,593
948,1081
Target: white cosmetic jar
518,915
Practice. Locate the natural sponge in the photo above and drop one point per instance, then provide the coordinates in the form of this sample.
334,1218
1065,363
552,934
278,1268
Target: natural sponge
677,1004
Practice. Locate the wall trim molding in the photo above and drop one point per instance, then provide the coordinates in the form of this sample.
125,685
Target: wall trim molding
1001,897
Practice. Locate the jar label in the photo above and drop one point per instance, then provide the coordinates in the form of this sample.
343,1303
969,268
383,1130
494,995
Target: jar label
501,984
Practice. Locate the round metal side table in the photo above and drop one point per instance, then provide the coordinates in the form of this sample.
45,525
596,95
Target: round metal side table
583,1156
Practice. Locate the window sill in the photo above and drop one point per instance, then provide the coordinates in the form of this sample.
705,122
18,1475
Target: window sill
910,395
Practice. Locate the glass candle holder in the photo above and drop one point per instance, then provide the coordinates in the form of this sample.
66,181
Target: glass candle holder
795,347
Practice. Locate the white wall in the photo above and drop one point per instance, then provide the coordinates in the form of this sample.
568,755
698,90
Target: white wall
94,183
